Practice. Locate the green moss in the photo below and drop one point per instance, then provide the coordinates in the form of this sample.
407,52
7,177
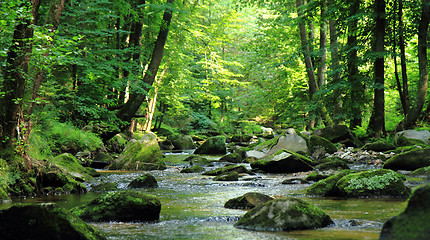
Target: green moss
316,142
71,165
403,141
267,144
284,161
144,181
247,201
193,169
227,169
410,160
327,186
421,171
229,176
373,183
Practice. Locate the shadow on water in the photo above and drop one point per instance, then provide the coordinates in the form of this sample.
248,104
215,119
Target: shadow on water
192,208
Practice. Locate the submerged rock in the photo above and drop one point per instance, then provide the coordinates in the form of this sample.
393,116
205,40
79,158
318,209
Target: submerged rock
284,214
43,221
121,206
193,169
413,223
410,160
143,154
144,181
227,169
197,160
232,157
214,145
247,201
327,186
229,176
283,162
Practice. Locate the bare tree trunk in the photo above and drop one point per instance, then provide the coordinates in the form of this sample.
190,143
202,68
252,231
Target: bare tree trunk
412,116
377,120
322,65
152,102
406,100
14,78
335,66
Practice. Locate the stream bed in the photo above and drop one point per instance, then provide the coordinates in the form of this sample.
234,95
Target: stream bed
192,208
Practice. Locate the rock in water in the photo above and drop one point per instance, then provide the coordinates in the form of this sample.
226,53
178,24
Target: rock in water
144,181
284,214
214,145
410,160
121,206
412,137
247,201
143,154
283,162
43,221
413,223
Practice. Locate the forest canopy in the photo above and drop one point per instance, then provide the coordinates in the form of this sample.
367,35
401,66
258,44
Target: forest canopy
230,66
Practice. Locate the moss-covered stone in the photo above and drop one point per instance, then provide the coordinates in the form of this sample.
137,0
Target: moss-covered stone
410,160
54,181
117,143
121,206
197,160
247,201
315,176
144,181
413,223
284,214
327,186
144,154
421,171
229,176
180,141
317,142
232,157
104,187
70,165
295,181
283,161
380,182
214,145
334,163
226,169
338,133
240,138
379,146
101,160
44,221
193,169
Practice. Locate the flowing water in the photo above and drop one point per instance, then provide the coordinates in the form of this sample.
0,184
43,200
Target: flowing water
192,208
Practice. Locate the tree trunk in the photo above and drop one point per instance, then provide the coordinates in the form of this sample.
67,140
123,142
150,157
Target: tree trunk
129,109
335,66
407,104
377,120
412,116
14,78
357,88
152,102
322,65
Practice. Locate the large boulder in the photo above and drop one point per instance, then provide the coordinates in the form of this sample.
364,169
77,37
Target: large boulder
289,140
144,181
413,223
412,137
101,160
284,214
180,141
410,160
121,206
117,144
327,186
70,165
198,160
317,143
143,154
373,183
232,157
247,201
43,221
283,161
214,145
54,181
379,146
332,163
338,134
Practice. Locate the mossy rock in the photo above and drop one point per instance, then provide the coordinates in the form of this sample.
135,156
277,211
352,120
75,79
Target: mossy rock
412,223
144,181
143,154
333,163
410,160
403,149
373,183
412,137
247,201
193,169
284,214
227,169
198,160
229,176
283,161
421,171
70,165
44,221
379,146
104,187
214,145
232,157
180,141
338,134
317,142
117,143
238,138
54,181
121,206
101,160
315,176
327,186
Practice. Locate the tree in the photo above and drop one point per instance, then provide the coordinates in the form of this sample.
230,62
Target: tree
377,120
411,118
15,76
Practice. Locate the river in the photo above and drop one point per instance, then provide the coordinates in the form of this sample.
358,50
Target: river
192,207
